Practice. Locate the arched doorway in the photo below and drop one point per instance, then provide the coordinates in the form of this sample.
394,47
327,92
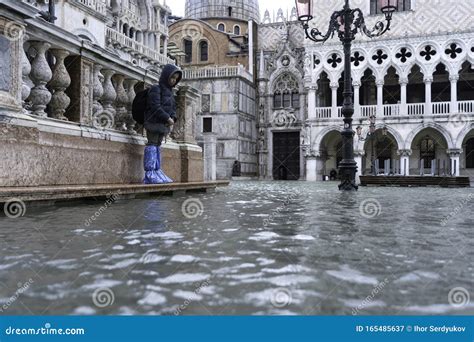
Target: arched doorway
429,148
380,147
470,153
330,152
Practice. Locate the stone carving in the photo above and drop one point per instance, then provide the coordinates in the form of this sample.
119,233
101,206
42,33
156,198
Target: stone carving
40,75
26,82
59,83
98,89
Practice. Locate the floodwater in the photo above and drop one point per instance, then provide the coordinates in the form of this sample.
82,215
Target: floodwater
251,248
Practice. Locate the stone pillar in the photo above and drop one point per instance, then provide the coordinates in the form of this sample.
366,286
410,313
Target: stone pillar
334,87
81,90
121,101
311,164
109,97
187,104
210,156
165,46
454,93
58,84
380,84
40,75
403,96
404,161
428,107
98,92
358,155
312,101
26,82
454,154
130,89
357,99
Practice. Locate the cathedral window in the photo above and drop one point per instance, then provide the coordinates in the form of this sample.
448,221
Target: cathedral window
221,27
237,30
203,51
286,94
188,50
207,125
376,6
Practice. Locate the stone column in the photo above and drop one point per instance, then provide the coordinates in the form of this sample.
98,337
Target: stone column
26,82
59,83
165,46
454,93
380,84
454,154
311,164
40,75
158,42
109,97
428,107
312,101
210,156
403,96
356,99
130,88
121,101
404,161
187,104
98,89
334,87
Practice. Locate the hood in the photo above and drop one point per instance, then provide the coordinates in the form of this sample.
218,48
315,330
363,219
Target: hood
167,72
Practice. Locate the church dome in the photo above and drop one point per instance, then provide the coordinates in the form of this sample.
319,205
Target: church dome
236,9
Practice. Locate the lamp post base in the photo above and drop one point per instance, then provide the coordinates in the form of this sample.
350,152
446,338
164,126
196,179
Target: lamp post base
348,185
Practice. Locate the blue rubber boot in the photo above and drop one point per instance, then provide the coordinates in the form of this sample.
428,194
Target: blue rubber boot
160,172
149,164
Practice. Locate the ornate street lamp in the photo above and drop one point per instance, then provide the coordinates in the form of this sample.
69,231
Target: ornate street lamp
346,23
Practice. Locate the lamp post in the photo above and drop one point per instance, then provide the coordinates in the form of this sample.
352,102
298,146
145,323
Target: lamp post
346,23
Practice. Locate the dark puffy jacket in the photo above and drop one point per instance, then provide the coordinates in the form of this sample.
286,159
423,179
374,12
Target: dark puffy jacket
161,104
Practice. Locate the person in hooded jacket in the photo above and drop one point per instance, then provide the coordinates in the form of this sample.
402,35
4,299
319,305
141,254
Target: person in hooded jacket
160,115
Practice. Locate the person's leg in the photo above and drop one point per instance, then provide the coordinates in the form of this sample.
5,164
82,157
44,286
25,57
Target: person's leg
150,160
160,172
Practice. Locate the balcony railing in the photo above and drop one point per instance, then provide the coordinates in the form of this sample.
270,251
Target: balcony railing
100,6
131,45
217,72
394,110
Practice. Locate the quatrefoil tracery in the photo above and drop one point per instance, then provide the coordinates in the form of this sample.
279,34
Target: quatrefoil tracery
428,52
380,56
453,51
334,60
404,55
357,59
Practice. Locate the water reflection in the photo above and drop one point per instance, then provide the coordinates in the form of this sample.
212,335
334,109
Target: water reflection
256,248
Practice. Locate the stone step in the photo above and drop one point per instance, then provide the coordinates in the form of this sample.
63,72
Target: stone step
415,181
69,192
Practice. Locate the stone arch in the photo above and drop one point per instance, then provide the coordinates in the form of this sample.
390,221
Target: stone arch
319,138
463,134
87,34
441,129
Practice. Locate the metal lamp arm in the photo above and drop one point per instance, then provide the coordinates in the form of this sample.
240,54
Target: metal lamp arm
379,28
317,36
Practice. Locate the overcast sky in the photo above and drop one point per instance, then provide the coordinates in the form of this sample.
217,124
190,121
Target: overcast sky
177,6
